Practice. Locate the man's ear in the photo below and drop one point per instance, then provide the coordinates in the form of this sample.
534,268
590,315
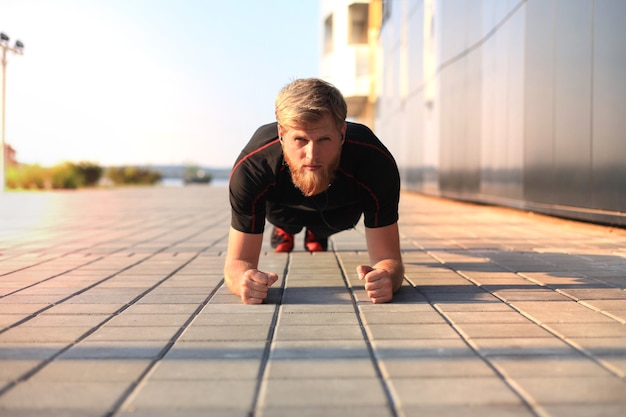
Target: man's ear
343,132
280,132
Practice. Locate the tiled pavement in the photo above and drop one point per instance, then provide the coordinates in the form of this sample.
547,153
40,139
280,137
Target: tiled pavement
112,304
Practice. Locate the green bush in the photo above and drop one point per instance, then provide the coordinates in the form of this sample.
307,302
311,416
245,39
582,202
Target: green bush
90,172
131,175
70,175
66,176
29,177
63,176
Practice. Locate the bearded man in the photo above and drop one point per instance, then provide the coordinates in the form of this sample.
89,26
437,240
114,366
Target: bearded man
311,169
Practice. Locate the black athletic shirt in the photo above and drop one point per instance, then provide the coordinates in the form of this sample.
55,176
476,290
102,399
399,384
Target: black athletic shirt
367,178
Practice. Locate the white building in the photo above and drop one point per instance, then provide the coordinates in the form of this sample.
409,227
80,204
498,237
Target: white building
514,102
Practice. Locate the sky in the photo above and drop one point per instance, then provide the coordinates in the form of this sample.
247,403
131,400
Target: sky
148,82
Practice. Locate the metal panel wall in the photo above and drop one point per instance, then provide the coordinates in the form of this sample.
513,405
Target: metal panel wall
609,105
572,102
539,182
526,107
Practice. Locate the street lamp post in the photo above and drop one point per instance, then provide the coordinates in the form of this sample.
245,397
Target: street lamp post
18,49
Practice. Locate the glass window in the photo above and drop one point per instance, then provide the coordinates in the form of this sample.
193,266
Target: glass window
328,34
358,14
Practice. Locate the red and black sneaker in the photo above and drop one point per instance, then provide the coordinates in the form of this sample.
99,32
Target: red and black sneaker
281,241
315,244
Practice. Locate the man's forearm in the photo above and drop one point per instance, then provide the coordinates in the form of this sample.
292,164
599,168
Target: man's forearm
233,274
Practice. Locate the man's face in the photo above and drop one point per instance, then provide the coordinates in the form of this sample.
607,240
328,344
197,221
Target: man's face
313,154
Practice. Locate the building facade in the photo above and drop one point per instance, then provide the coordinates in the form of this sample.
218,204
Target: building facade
513,102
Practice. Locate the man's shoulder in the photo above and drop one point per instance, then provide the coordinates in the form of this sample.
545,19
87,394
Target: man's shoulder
265,133
359,131
364,139
262,146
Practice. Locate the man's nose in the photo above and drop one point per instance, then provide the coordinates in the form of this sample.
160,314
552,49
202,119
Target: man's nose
312,150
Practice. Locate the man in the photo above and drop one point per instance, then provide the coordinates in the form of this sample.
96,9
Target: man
313,170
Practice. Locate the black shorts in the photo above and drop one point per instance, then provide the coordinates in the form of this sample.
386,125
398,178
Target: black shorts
322,223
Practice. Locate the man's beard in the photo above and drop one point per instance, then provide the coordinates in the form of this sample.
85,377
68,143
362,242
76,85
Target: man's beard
312,182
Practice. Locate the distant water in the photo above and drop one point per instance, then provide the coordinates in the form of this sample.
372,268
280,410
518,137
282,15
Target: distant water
178,182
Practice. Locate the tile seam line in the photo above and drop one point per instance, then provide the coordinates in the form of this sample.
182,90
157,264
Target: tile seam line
74,251
91,261
526,400
582,302
261,382
529,403
91,247
83,290
546,326
131,392
388,390
26,376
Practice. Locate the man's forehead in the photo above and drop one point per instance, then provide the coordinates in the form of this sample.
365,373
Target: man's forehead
323,126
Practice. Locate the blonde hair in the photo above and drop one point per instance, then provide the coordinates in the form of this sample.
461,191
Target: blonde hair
306,101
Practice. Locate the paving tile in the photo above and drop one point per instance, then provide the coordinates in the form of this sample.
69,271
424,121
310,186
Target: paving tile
40,334
482,317
214,350
445,297
501,330
492,410
12,369
411,331
63,412
79,370
523,347
338,295
22,309
62,320
321,368
585,410
420,348
574,390
316,308
323,319
44,299
319,349
493,273
319,332
134,333
426,317
174,368
454,391
548,366
141,320
530,295
226,333
393,308
339,411
238,308
195,394
114,350
27,351
494,305
161,309
323,392
595,293
225,319
51,395
572,330
560,312
435,367
76,309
